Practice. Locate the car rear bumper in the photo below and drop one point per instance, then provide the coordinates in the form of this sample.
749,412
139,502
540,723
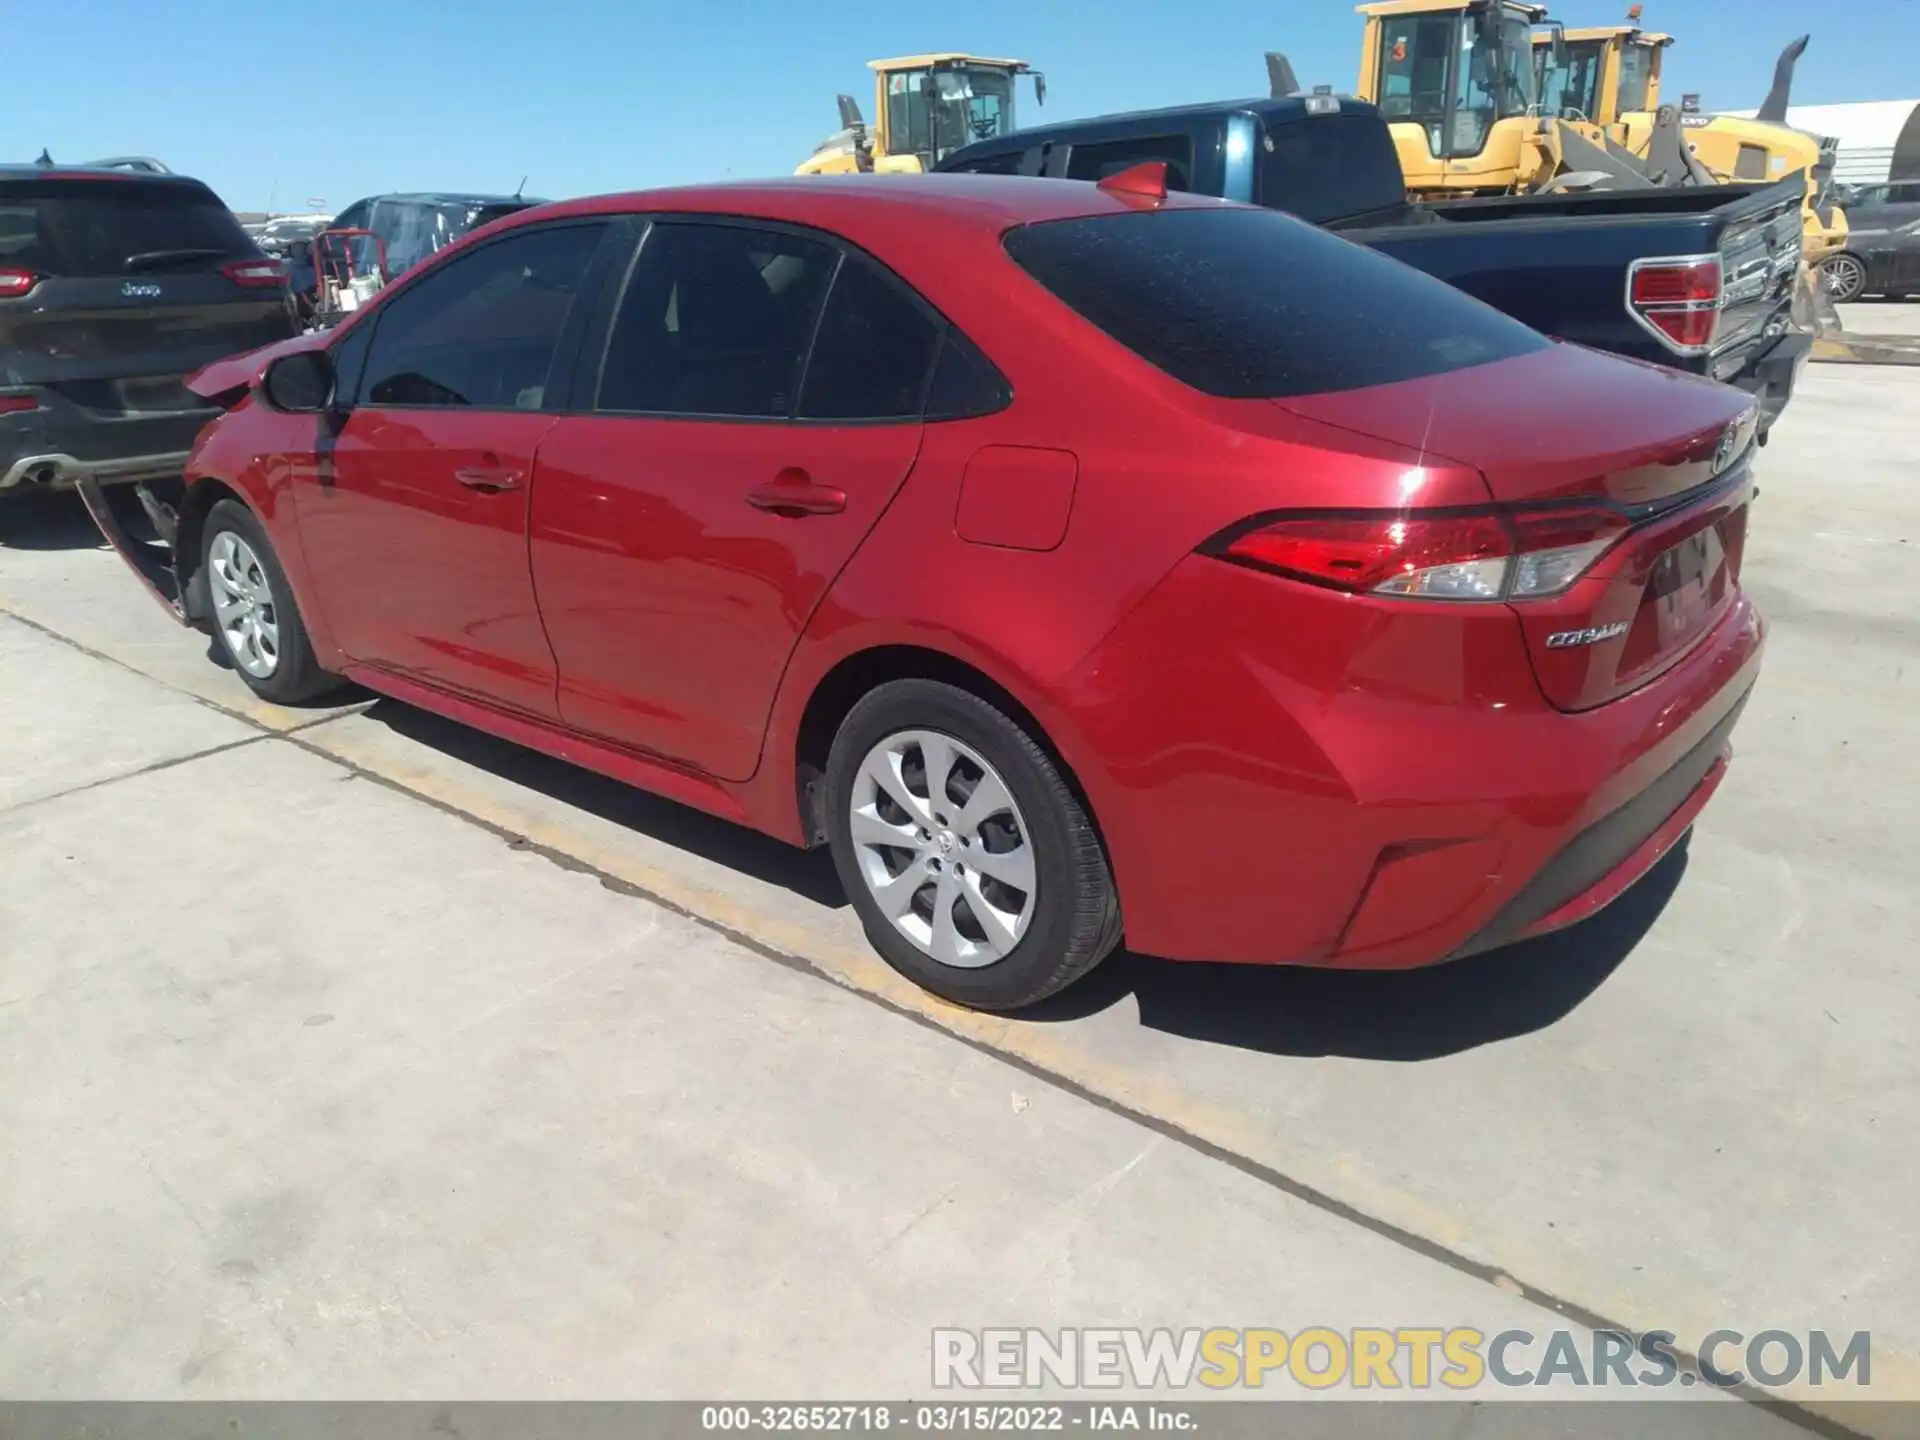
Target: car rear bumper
58,442
1284,775
1771,376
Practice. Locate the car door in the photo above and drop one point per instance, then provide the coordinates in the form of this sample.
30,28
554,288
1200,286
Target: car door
414,524
757,407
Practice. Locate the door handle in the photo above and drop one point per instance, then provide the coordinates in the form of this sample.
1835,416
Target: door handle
793,493
488,478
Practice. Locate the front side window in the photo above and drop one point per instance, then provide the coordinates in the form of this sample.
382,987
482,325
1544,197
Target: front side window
715,320
483,330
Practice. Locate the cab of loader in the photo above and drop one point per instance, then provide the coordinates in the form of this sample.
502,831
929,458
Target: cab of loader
1455,81
1764,147
925,107
1594,76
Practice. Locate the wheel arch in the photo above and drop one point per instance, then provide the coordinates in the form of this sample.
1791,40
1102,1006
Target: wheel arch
860,672
201,495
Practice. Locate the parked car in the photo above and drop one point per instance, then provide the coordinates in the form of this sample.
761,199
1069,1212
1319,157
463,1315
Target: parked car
1882,253
1697,278
390,235
416,226
1068,563
115,284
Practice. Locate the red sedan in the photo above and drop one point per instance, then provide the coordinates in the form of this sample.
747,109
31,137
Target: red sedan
1074,562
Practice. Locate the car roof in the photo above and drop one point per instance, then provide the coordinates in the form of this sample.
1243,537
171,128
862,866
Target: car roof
13,170
864,203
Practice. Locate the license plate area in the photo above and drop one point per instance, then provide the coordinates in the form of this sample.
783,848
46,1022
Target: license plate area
1687,585
156,394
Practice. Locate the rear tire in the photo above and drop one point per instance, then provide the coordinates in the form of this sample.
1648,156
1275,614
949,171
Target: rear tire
998,892
251,609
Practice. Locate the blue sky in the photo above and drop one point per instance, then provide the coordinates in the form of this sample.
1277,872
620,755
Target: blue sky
286,101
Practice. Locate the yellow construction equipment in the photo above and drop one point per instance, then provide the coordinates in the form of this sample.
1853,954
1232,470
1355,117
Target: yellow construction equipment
1593,76
1604,85
924,107
1454,80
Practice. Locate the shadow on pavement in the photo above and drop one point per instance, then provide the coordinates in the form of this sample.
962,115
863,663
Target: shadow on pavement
39,519
807,873
1380,1015
1402,1015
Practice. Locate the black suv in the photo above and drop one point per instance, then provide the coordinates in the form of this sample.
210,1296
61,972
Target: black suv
115,284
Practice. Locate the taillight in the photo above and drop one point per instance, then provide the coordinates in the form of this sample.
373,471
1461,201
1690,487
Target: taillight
15,404
1678,299
1489,554
260,274
15,283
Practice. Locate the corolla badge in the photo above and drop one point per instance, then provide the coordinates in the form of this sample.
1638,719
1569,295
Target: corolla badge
140,290
1593,635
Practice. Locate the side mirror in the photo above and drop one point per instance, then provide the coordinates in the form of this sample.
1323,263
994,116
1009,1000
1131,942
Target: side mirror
299,384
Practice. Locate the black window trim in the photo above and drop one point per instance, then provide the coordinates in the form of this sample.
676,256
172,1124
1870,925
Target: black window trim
566,349
589,370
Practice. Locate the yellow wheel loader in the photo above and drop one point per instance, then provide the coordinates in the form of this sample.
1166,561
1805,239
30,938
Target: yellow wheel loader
1454,80
924,107
1602,86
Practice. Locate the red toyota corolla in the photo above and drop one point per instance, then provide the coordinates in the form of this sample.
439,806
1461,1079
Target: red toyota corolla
1073,563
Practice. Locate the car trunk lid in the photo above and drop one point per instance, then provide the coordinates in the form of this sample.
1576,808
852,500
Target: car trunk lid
1573,444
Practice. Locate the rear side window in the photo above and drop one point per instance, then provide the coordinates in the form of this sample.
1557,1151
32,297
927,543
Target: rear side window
1097,162
1329,167
116,227
871,353
1248,304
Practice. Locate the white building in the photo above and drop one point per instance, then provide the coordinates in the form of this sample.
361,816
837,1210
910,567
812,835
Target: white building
1867,132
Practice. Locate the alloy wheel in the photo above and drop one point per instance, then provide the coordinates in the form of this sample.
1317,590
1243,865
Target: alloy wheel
243,605
1844,276
943,848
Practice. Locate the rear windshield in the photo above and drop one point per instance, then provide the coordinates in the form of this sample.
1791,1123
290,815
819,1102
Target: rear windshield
1330,167
116,227
1252,304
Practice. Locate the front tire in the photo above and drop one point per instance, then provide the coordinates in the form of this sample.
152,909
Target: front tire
1844,278
251,608
973,866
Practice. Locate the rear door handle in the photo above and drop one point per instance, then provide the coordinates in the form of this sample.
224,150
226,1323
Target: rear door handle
489,478
793,493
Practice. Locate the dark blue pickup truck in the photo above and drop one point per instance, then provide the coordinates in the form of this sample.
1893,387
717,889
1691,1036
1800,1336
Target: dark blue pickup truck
1701,278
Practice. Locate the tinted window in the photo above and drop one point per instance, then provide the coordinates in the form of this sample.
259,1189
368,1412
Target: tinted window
1329,167
116,227
715,320
872,353
1008,162
483,329
1096,162
965,382
1251,303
